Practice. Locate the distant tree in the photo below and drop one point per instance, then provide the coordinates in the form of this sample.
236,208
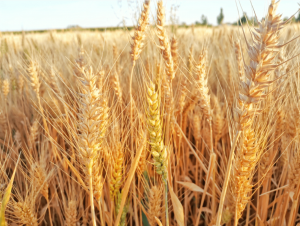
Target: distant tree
297,19
243,20
204,20
285,19
220,18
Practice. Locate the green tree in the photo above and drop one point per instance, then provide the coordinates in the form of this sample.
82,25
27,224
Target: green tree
243,20
220,18
297,19
204,20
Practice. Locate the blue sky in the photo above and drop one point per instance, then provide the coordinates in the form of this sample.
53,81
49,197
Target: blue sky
54,14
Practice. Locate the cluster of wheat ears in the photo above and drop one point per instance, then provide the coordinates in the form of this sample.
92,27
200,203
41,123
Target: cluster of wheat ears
185,127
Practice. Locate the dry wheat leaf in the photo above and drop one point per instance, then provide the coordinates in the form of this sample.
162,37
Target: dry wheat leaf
7,196
178,209
191,186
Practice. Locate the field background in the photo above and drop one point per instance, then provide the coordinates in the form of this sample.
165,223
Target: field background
84,145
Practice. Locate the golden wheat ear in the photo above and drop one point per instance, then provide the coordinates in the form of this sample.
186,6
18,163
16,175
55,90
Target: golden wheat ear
139,34
155,197
252,91
164,43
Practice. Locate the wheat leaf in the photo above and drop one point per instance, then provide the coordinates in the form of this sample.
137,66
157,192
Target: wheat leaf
7,196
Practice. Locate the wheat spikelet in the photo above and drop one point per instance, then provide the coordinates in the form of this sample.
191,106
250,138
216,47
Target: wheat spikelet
142,162
239,59
168,100
116,86
40,177
241,177
197,126
164,44
35,83
18,138
53,81
158,76
158,150
97,179
3,122
33,133
182,94
174,52
218,121
5,87
117,171
202,88
154,205
25,214
71,214
265,165
139,34
188,107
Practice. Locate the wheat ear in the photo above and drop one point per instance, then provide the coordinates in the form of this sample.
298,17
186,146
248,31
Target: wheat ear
71,213
202,88
25,214
154,205
164,43
139,34
239,59
117,87
91,126
117,171
35,83
252,91
136,49
5,87
158,150
174,52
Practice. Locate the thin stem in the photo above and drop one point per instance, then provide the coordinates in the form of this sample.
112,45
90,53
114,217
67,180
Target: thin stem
211,137
50,218
131,133
92,196
212,160
100,212
166,202
227,176
214,171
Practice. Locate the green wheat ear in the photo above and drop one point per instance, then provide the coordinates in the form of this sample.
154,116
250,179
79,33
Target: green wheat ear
158,150
125,209
6,197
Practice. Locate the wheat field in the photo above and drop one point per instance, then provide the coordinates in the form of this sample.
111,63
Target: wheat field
160,125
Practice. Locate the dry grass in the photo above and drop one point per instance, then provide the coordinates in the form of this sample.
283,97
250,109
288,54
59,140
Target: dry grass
191,127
